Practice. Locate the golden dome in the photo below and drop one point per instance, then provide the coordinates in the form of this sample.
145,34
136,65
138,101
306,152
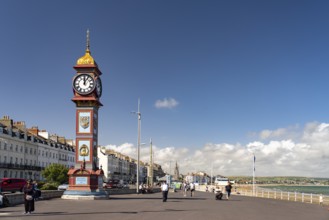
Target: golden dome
87,59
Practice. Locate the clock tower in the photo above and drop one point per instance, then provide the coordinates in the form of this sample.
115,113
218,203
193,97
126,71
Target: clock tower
86,178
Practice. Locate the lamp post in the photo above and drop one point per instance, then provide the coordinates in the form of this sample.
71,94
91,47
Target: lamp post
211,173
138,145
253,175
150,171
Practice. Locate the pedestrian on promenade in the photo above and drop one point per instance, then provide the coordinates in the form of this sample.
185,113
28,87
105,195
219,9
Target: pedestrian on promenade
36,190
185,188
192,188
228,189
141,188
164,189
28,197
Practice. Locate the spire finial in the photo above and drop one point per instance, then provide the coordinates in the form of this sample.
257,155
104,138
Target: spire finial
87,59
88,40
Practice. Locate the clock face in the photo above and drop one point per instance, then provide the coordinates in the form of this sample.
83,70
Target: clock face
99,87
84,84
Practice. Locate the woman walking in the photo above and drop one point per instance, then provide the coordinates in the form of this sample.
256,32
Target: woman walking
28,197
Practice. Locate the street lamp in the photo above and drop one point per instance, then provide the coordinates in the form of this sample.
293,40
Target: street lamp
212,165
253,171
138,144
253,175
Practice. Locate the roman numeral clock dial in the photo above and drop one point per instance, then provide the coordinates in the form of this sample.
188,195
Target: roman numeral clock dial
84,84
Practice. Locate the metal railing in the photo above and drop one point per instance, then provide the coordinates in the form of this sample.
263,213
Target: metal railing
289,196
20,166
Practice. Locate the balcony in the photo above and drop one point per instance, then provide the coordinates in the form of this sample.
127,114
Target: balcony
19,166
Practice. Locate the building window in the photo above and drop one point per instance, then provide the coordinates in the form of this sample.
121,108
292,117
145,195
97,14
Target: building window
26,150
5,146
21,148
16,149
11,146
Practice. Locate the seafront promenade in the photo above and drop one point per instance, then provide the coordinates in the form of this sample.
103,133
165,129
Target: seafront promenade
150,207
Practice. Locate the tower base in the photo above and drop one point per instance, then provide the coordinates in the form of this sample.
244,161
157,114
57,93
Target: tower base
85,185
85,195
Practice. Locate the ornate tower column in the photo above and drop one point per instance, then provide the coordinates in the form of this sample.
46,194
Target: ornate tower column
86,179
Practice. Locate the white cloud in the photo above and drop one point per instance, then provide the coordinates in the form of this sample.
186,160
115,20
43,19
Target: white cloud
166,103
291,132
307,154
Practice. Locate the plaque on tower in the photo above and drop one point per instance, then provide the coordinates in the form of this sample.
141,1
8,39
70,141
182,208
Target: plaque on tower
84,122
84,150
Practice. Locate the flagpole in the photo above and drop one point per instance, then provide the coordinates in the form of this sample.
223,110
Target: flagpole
253,176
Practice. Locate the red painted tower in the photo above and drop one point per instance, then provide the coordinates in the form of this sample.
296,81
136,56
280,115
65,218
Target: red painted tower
86,179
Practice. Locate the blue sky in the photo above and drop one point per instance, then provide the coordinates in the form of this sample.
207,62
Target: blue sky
212,76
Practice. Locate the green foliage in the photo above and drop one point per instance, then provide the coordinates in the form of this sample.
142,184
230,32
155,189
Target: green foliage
40,184
49,186
56,173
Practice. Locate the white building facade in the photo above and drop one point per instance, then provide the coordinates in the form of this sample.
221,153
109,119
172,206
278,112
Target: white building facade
24,153
117,166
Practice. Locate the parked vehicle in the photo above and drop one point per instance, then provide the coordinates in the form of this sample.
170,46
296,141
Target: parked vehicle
125,185
110,184
63,186
12,184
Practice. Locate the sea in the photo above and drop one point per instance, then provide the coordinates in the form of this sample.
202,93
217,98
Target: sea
324,190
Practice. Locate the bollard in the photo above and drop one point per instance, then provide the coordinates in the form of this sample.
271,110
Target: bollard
321,199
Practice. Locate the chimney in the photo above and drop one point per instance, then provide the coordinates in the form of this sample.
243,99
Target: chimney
34,130
54,137
7,121
20,125
70,142
44,134
61,140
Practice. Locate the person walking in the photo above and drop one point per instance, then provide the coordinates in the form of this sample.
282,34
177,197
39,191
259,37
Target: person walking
164,189
36,191
28,197
228,189
192,188
185,188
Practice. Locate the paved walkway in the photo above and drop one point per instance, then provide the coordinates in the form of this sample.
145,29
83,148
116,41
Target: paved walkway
150,207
